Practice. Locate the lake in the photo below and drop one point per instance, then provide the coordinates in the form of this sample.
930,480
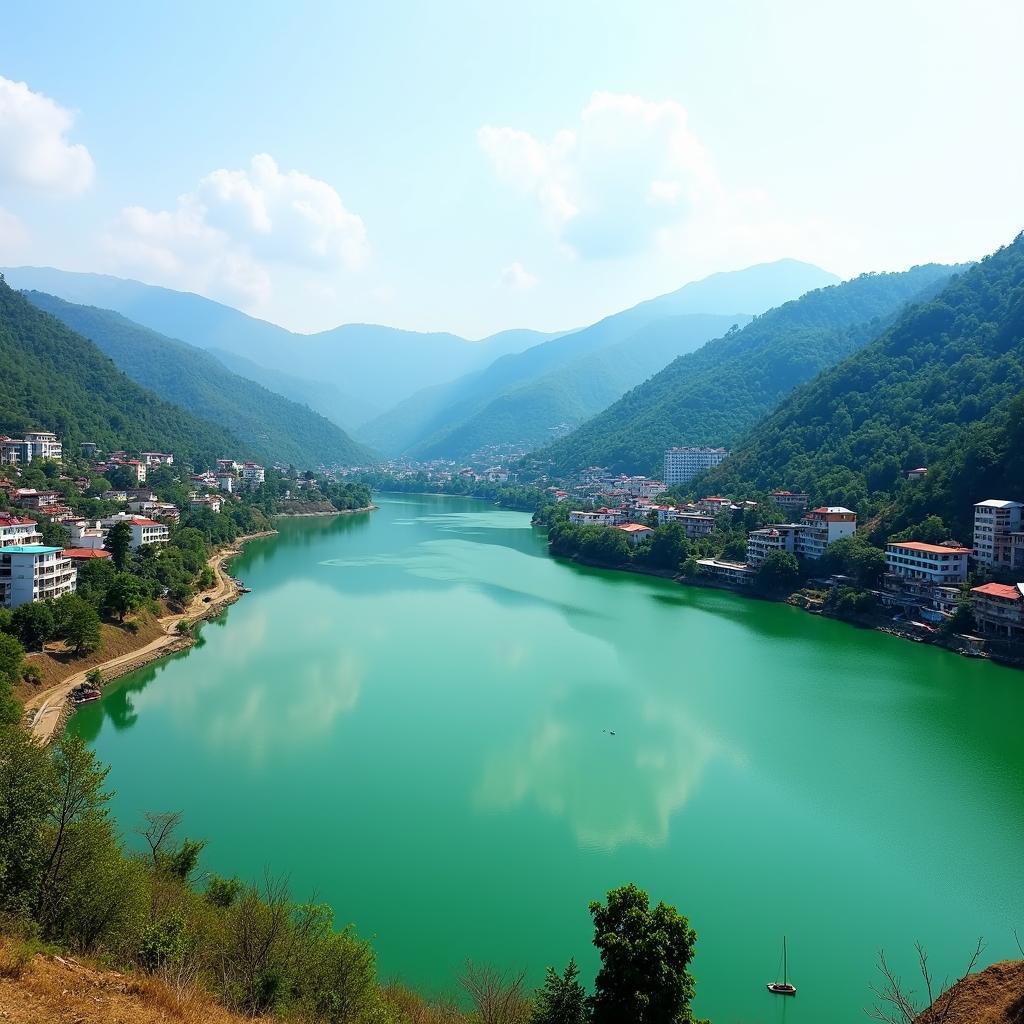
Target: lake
459,742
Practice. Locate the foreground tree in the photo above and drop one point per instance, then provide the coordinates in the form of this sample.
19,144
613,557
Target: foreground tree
562,999
33,624
645,956
497,996
77,623
125,595
119,544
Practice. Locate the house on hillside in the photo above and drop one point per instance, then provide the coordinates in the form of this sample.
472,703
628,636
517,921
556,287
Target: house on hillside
929,563
998,610
635,532
995,522
34,572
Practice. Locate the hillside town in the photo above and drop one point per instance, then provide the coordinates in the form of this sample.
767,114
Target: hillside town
919,587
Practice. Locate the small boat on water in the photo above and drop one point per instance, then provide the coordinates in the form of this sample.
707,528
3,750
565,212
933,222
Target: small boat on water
783,988
85,694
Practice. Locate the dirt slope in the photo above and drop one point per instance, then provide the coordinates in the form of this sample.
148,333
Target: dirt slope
992,996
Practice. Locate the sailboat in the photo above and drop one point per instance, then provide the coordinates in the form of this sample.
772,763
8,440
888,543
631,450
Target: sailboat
783,988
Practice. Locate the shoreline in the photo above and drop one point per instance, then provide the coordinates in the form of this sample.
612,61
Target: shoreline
325,514
888,628
48,711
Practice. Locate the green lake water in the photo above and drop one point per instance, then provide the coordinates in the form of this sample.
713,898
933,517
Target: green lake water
412,716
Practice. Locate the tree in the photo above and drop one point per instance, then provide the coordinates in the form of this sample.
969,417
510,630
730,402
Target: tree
778,572
119,543
645,956
33,624
125,595
12,659
896,1004
562,999
94,580
77,623
54,534
497,996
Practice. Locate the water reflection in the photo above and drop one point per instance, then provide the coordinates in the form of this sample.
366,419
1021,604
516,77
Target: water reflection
615,781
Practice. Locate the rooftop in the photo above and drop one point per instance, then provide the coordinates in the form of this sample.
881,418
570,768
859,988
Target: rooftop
634,528
834,510
1003,590
29,549
83,553
998,503
931,549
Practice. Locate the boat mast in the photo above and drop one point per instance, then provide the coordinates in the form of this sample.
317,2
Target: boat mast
785,962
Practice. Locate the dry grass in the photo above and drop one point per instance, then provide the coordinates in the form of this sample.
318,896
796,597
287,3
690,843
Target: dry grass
56,664
15,956
992,996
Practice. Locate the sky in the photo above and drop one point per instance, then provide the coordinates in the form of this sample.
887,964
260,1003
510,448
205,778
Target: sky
470,166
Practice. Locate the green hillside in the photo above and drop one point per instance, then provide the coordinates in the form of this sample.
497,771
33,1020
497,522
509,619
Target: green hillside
54,379
455,418
913,395
712,396
532,413
272,427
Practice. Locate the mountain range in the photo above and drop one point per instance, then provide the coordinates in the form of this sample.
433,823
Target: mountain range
713,395
521,399
274,428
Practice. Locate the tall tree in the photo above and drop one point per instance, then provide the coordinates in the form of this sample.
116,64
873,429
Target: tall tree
562,999
12,659
119,544
33,624
125,595
645,956
77,623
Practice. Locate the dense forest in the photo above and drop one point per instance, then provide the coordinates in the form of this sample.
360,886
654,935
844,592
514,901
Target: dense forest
54,379
275,429
922,390
713,395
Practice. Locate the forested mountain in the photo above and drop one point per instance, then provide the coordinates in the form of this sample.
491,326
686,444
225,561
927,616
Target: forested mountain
344,410
712,396
917,392
54,379
534,412
381,364
273,428
451,420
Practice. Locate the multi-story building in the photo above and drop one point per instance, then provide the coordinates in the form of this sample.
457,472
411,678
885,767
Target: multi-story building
36,444
15,531
157,458
92,533
602,517
683,464
153,508
253,474
998,610
228,466
1017,552
89,449
931,563
29,497
713,504
695,524
731,573
994,522
824,526
34,572
790,501
226,482
761,543
213,502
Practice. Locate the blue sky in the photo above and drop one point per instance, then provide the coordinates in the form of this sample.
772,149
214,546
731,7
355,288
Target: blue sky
475,166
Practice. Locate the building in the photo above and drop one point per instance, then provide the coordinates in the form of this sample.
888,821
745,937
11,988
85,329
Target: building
994,522
158,509
157,458
931,563
695,524
732,573
228,466
213,502
36,444
790,501
713,504
998,610
761,543
146,531
824,526
29,497
226,482
1017,552
92,534
34,572
80,555
89,449
15,531
602,517
683,464
917,474
635,532
253,474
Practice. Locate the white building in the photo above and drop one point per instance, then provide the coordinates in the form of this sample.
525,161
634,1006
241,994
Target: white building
163,509
34,572
226,482
36,444
694,523
86,533
761,543
635,532
994,521
602,517
683,464
214,502
790,501
931,563
15,531
824,526
253,474
157,458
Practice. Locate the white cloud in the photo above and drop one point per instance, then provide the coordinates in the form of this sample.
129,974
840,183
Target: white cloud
33,149
631,175
227,236
516,277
